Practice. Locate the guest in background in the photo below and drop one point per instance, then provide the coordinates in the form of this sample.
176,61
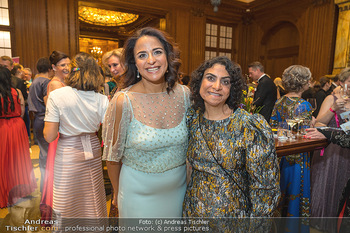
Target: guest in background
335,83
295,169
112,60
76,111
184,79
61,64
280,89
311,91
227,180
322,93
148,173
265,95
15,163
331,165
27,76
36,101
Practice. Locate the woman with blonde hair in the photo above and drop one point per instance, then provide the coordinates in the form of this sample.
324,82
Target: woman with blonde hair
76,112
112,60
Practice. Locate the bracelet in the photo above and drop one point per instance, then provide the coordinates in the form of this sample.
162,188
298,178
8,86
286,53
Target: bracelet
330,109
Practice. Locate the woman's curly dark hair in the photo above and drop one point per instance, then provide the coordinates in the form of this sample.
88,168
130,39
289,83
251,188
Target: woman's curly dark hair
295,77
236,79
171,50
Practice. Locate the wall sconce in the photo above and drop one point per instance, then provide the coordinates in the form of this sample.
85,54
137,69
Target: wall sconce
215,3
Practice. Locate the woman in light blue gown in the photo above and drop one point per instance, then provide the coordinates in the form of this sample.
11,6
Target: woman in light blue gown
145,132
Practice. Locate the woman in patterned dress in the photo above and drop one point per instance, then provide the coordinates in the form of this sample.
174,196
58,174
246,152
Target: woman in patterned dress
232,153
295,169
331,169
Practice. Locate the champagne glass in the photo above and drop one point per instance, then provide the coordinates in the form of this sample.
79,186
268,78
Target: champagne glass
299,115
313,103
291,122
345,94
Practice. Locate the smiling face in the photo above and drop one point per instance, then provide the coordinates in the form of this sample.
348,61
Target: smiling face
151,59
114,66
62,68
215,86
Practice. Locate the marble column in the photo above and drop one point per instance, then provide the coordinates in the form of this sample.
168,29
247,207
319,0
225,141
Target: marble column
342,46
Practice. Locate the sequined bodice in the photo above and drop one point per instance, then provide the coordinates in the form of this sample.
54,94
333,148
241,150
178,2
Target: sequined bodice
155,150
156,138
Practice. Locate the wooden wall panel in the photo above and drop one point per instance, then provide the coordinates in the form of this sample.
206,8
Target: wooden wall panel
316,28
182,37
30,31
42,26
197,41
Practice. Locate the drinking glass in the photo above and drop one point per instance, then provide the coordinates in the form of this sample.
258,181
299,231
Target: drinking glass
306,124
299,115
291,122
282,131
345,94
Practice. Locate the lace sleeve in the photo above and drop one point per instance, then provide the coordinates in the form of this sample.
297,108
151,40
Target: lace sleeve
114,152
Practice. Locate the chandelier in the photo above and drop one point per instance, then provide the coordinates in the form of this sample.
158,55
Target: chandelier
105,17
96,52
215,3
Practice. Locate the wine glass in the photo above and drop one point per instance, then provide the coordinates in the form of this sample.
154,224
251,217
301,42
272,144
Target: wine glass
313,103
345,93
299,115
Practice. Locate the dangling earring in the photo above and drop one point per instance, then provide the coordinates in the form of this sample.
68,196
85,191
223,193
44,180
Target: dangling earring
138,75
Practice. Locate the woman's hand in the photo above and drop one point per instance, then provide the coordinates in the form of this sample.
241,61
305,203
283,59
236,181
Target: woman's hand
338,104
313,133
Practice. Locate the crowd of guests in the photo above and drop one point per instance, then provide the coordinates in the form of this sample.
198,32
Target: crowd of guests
171,150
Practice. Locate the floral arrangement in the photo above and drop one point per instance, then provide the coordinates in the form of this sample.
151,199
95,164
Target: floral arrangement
247,101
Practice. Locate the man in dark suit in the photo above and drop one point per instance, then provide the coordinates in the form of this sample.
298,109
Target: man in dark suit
265,95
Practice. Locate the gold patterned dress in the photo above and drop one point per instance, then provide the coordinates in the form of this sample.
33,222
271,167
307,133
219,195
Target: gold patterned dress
234,167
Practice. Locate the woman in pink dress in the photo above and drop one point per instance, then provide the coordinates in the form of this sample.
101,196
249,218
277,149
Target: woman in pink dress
61,66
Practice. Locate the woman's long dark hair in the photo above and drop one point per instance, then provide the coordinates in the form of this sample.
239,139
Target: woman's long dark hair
171,50
5,91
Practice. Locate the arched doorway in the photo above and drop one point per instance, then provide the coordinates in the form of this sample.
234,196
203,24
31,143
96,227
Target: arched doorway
282,48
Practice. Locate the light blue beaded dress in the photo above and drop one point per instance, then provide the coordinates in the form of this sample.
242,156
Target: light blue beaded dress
152,145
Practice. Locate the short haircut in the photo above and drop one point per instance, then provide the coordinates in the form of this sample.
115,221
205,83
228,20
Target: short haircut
256,65
7,58
43,65
324,80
